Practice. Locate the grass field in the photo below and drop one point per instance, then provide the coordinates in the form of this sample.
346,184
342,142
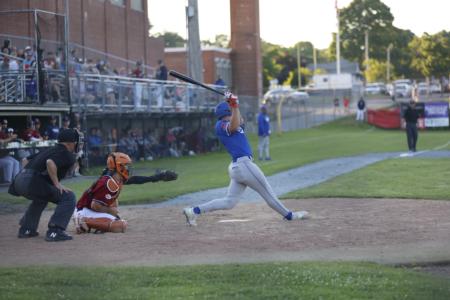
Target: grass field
396,178
292,149
310,280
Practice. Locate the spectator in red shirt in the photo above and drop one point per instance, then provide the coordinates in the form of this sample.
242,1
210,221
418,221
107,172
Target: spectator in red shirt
31,134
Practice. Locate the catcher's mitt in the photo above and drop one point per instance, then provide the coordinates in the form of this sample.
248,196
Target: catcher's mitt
167,175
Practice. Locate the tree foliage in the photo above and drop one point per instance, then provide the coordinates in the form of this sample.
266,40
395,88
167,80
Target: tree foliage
377,71
360,16
172,39
431,54
220,40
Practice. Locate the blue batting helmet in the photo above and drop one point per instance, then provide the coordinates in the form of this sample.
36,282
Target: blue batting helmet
222,110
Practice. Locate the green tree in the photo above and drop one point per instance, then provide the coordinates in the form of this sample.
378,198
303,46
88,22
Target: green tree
431,54
271,55
362,16
377,71
401,55
220,40
172,39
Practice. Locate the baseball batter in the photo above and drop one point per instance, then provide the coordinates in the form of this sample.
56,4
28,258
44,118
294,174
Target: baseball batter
97,208
242,171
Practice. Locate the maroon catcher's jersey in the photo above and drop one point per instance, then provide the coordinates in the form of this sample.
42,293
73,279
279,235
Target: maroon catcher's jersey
105,190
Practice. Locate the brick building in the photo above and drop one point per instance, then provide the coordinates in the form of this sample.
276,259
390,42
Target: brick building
117,28
216,62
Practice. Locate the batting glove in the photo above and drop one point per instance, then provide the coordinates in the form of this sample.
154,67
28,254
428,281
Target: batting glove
232,100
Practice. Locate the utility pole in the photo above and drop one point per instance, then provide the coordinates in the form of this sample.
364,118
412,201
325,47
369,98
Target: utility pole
299,65
315,59
195,62
338,42
366,48
388,67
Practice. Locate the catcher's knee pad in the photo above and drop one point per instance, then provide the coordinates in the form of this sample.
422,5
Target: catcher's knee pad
105,224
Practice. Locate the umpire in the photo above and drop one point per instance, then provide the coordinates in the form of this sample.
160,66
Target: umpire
39,182
411,116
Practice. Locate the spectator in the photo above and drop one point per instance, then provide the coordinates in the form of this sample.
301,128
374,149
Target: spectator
52,130
112,140
336,106
138,71
346,103
29,61
37,126
219,81
161,73
66,123
4,128
9,167
31,134
6,46
95,143
127,144
13,62
361,109
4,67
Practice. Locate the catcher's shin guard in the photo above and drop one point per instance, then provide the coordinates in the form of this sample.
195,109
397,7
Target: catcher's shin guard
105,224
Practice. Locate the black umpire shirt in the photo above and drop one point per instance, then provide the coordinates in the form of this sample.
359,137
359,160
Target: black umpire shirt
59,154
411,115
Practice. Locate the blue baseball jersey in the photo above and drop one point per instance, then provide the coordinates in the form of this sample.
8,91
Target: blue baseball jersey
263,124
236,142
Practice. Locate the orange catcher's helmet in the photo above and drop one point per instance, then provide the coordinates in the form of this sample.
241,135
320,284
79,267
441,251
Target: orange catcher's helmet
120,163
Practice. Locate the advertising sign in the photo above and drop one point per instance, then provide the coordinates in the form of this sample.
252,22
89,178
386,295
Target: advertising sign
436,114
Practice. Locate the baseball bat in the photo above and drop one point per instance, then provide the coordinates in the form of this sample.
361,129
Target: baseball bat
193,81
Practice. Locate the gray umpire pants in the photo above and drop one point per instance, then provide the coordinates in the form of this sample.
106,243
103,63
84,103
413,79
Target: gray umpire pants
35,187
245,173
263,147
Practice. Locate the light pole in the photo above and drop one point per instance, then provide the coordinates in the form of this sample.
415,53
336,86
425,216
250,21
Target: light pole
338,42
388,67
315,59
366,48
299,75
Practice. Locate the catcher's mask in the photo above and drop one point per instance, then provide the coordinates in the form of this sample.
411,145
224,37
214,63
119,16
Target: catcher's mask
120,163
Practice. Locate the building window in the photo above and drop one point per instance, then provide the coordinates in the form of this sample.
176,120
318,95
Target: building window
137,5
118,2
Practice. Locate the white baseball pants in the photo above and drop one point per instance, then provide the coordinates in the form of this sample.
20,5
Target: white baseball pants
245,173
263,147
360,115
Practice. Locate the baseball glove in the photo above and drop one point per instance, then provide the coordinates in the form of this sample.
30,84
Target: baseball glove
167,175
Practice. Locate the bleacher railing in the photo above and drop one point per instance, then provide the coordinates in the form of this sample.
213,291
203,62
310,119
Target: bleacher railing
99,93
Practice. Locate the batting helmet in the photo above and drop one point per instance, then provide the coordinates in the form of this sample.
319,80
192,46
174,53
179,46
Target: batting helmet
222,110
120,163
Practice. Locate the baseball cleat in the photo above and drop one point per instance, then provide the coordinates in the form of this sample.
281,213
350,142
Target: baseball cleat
300,215
190,216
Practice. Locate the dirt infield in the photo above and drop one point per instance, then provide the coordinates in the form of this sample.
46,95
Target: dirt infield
379,230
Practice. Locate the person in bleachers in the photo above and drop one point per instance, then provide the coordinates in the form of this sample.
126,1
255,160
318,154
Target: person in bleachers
52,129
9,167
31,133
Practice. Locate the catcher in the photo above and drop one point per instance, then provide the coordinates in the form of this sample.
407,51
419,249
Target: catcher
97,208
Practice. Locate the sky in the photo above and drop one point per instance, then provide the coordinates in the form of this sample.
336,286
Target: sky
285,22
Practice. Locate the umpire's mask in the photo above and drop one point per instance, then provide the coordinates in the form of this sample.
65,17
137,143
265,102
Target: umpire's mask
72,136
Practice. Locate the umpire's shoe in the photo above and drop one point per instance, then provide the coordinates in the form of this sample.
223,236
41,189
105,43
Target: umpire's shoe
57,235
26,233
